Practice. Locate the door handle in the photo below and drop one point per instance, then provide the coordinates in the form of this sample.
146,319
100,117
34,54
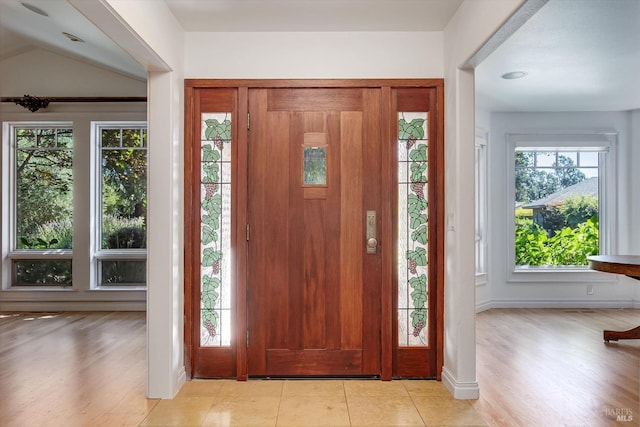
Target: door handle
372,241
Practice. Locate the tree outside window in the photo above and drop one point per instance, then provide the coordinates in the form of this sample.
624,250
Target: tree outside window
40,199
43,204
123,201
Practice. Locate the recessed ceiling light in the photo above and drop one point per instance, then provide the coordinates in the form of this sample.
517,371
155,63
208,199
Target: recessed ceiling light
35,9
73,38
514,75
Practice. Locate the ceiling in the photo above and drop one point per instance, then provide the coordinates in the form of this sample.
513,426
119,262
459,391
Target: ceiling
22,30
313,15
579,55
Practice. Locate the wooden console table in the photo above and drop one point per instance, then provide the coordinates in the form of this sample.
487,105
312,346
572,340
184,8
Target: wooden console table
629,265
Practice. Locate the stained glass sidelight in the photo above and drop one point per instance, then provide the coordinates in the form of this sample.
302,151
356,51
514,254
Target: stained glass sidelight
412,229
215,224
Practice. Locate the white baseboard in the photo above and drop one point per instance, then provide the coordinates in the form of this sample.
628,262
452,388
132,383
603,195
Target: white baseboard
460,390
73,306
181,379
541,303
483,306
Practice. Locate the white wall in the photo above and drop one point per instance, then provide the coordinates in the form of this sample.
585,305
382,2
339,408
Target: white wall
474,22
314,55
612,290
149,32
483,290
633,228
155,24
483,119
25,74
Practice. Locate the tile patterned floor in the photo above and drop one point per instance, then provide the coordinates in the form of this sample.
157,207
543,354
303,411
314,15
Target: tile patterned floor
303,403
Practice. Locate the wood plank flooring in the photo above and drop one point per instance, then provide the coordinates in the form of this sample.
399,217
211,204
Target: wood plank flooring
551,367
73,369
536,367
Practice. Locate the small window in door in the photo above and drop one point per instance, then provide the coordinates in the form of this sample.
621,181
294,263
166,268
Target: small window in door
315,165
314,159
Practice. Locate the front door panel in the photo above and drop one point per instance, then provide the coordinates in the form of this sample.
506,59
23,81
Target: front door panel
313,290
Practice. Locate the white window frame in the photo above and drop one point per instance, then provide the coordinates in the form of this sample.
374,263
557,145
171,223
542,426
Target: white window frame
9,213
481,206
603,141
99,254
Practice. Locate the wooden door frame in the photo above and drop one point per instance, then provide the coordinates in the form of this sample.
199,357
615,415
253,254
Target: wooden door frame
239,210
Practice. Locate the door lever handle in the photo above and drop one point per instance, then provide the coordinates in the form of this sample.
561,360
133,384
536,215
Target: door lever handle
372,241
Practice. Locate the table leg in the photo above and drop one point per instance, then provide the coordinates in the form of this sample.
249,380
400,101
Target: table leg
631,334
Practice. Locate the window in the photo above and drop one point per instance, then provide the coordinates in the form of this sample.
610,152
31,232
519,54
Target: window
413,235
560,185
70,224
122,192
215,217
481,207
41,206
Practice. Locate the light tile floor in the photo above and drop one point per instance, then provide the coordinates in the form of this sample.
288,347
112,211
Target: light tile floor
313,403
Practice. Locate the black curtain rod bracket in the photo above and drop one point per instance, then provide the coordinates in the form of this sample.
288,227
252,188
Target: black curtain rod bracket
33,103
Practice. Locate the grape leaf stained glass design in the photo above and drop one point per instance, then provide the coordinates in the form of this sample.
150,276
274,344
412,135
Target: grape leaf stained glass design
412,229
215,225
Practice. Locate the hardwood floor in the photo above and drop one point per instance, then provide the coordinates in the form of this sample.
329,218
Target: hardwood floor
73,369
536,367
551,367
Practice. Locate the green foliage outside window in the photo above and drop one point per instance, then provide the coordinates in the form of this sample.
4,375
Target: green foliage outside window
44,185
574,238
563,232
124,186
44,200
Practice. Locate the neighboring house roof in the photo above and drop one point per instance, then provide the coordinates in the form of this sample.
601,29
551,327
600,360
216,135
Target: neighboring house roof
588,187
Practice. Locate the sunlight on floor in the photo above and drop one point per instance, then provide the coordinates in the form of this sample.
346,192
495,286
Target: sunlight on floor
313,403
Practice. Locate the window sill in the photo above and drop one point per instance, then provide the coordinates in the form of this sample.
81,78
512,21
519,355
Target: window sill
30,288
559,274
115,288
121,254
41,254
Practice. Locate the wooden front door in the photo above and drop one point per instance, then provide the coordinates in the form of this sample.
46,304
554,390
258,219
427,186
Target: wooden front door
288,184
313,289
